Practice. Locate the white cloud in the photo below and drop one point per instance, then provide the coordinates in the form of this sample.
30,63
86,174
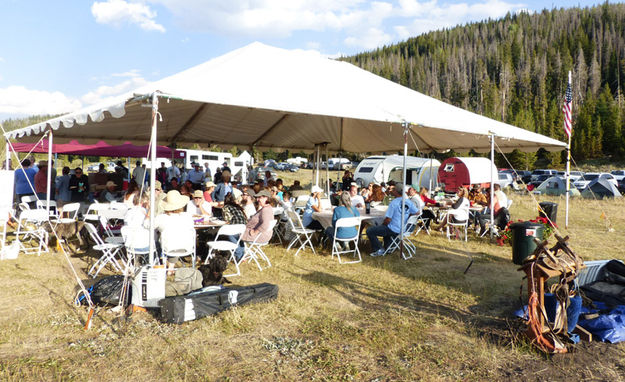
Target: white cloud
120,12
358,23
1,59
19,100
22,101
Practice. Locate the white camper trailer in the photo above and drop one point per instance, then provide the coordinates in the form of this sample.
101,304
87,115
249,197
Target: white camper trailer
378,169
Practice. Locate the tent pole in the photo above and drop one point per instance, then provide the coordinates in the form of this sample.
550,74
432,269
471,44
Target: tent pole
327,187
492,184
153,173
431,164
317,165
49,175
128,165
403,194
7,153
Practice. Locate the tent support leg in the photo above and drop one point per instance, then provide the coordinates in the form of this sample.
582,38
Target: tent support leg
155,115
403,193
49,174
492,185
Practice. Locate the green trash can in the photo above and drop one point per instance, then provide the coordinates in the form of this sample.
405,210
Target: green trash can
523,234
548,210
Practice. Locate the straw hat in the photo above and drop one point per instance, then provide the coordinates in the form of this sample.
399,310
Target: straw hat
174,201
316,189
110,184
198,194
209,184
263,193
236,194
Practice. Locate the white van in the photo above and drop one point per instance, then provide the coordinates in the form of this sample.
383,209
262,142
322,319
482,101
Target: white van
378,169
339,164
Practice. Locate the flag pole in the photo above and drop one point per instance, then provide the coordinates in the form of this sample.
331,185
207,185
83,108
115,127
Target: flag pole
568,162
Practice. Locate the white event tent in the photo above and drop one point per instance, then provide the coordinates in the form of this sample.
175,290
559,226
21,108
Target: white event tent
270,97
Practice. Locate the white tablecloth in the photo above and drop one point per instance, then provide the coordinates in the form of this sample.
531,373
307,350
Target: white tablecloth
375,216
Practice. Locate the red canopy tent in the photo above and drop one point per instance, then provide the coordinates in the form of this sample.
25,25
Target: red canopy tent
101,149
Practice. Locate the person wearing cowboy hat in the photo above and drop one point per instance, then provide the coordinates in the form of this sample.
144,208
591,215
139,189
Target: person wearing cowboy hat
196,176
175,226
209,187
313,205
258,226
109,194
199,206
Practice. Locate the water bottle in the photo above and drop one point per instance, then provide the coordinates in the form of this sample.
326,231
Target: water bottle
367,208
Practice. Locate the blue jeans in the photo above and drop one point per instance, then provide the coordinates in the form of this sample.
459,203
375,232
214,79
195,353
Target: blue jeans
380,230
238,253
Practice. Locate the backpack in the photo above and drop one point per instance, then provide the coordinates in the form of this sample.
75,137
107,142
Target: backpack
185,281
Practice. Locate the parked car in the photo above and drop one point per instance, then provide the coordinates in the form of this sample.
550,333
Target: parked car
540,172
618,175
576,175
621,186
583,182
506,179
292,168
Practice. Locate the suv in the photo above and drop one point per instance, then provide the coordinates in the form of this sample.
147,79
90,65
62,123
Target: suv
537,173
505,179
584,181
618,174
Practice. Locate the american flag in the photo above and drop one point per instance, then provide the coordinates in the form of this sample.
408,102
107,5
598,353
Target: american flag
566,108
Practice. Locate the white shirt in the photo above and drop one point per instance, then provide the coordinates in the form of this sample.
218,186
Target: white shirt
139,174
416,199
250,210
195,210
177,231
135,217
462,212
502,198
358,200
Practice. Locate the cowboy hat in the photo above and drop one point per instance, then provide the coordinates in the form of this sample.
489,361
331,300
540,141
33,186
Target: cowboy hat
263,193
209,184
174,201
198,194
110,184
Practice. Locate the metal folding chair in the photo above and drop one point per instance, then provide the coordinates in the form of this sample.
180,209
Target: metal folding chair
30,227
109,253
302,236
410,249
226,245
180,246
337,242
254,249
456,226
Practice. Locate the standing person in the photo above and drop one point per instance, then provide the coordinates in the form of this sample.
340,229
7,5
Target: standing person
222,188
41,181
347,180
207,171
217,177
24,180
196,176
121,170
268,178
138,174
225,167
63,193
172,172
79,186
391,226
161,174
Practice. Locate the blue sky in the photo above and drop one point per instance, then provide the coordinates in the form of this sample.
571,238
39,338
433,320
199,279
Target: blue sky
58,56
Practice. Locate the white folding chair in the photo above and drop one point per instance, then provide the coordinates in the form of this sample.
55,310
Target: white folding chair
69,213
137,243
28,199
302,236
278,229
410,249
456,226
30,227
109,253
254,249
94,211
53,211
337,242
180,246
113,236
422,224
226,245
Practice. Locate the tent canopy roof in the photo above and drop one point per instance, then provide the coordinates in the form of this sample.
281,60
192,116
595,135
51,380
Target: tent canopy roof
100,148
270,97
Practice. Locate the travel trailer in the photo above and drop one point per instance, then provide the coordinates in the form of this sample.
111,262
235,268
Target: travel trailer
378,169
463,172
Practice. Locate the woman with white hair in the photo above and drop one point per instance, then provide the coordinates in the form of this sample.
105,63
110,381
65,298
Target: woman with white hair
344,210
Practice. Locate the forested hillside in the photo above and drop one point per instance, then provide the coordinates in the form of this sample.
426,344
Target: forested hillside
515,69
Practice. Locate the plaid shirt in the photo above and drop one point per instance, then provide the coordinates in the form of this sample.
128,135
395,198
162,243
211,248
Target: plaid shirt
233,215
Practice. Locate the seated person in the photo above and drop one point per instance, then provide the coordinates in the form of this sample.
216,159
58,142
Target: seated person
344,210
100,178
391,226
175,226
296,186
109,194
247,202
313,205
376,195
477,197
258,226
459,211
501,215
502,198
233,213
133,189
199,206
357,200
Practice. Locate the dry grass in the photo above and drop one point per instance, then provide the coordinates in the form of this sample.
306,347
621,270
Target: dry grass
383,319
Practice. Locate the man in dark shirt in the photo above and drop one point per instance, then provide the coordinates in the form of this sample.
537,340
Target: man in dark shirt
79,185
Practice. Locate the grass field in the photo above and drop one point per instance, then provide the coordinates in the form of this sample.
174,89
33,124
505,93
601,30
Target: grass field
381,320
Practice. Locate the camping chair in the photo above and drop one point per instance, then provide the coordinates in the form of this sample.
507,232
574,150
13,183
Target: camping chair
109,253
254,249
226,245
137,243
30,227
410,249
302,236
456,226
336,243
179,246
